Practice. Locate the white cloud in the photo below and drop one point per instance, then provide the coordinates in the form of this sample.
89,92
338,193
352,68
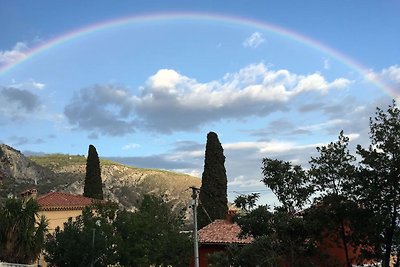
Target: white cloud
254,83
16,53
38,85
392,73
327,64
166,79
254,40
192,172
28,85
261,147
130,146
353,136
243,182
389,76
267,147
316,82
324,125
170,101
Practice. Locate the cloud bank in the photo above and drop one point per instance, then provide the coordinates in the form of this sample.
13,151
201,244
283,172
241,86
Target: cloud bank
17,103
170,101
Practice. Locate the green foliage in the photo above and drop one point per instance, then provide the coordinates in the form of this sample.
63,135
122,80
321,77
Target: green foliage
333,172
289,183
93,183
356,209
58,160
85,239
149,236
213,191
246,202
342,222
379,187
55,161
21,235
280,238
333,176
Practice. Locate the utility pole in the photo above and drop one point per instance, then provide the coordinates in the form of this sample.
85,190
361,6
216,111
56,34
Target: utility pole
93,261
195,237
93,234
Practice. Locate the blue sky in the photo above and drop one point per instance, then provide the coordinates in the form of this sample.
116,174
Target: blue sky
145,81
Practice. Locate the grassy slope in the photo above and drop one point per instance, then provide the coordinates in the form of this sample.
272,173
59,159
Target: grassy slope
156,181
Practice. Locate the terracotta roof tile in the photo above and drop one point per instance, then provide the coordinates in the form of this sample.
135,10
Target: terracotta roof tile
60,200
222,232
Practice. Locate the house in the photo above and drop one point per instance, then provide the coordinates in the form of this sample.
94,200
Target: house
217,236
59,206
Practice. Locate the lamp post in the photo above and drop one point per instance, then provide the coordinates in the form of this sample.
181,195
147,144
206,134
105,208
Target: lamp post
92,262
195,237
93,234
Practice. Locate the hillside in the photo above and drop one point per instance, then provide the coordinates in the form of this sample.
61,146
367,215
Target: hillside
123,184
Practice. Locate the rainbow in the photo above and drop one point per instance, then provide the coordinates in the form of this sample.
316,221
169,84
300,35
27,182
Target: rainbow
215,18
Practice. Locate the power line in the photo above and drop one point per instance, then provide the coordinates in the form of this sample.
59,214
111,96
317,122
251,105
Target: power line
240,192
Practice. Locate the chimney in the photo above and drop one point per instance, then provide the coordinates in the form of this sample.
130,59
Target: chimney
230,214
29,194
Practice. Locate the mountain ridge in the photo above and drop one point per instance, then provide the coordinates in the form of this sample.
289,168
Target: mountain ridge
62,172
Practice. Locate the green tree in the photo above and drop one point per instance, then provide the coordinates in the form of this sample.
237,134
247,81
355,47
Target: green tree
333,171
93,185
341,222
380,174
105,235
246,202
22,231
151,236
288,182
86,239
213,191
281,236
281,239
333,176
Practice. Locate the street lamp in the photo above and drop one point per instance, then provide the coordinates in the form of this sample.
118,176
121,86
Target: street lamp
195,237
92,262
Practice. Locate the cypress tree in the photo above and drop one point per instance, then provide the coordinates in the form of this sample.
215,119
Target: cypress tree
213,191
93,184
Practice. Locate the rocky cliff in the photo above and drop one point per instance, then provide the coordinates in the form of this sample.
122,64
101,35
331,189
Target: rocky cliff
123,184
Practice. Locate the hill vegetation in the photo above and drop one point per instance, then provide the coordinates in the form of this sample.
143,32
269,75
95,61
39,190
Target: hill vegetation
62,172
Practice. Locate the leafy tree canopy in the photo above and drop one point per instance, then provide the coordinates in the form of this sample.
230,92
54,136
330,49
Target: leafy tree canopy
379,179
22,231
149,236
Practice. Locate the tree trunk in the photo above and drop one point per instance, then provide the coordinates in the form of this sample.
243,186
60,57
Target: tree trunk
389,239
343,234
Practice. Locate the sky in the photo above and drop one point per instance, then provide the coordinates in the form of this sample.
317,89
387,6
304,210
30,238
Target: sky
145,81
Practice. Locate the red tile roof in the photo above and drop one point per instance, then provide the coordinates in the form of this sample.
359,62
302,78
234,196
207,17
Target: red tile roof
222,232
63,201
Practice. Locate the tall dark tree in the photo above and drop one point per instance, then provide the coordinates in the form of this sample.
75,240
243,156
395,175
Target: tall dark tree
93,184
380,174
213,191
